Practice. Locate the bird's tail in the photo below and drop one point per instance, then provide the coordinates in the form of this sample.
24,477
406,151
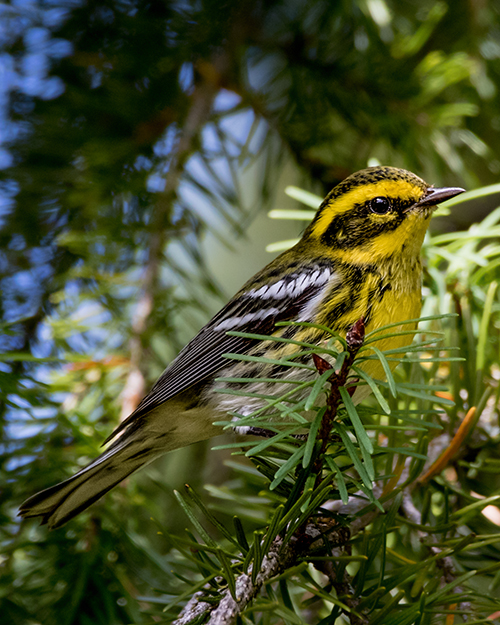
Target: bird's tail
60,503
135,445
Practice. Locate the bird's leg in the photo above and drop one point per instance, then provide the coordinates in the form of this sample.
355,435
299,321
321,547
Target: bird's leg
269,433
260,432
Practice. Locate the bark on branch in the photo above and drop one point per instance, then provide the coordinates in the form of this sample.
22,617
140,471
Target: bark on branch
279,559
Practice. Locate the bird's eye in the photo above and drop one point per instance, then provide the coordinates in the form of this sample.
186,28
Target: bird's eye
380,205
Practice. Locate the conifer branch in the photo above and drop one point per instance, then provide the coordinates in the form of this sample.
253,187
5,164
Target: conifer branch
320,535
311,537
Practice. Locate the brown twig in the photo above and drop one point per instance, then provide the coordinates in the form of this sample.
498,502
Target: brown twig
199,113
314,534
354,339
310,537
452,449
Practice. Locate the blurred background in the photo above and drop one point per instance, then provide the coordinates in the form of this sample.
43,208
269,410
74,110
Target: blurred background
142,144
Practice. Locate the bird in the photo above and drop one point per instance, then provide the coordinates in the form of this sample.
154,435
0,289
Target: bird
358,258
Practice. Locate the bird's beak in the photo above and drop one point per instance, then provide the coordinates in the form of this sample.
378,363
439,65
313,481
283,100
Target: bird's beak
436,196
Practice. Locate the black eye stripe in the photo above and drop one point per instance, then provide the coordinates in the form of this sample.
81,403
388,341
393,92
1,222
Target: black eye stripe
355,227
380,205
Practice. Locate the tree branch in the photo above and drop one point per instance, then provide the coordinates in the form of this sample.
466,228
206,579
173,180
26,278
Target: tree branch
310,538
199,113
306,539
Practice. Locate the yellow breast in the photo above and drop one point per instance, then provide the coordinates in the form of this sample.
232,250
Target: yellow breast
393,308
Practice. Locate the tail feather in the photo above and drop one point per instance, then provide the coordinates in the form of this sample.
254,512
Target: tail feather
62,502
166,428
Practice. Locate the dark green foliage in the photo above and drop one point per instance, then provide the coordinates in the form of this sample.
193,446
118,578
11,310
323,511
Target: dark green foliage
164,129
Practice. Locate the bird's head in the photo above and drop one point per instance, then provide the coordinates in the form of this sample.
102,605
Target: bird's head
377,212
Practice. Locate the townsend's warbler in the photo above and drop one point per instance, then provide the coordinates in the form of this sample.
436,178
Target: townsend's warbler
359,257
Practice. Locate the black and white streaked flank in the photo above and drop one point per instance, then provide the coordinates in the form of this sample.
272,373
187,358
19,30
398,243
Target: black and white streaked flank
293,297
307,289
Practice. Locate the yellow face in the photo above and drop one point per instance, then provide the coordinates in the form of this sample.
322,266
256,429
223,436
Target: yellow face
374,214
378,212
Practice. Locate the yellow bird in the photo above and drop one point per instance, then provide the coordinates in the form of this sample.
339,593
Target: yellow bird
359,257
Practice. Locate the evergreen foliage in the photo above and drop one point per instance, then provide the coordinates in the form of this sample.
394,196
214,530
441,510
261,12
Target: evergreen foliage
137,139
372,515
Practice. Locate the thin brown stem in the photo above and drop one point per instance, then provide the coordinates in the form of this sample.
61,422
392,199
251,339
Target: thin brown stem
199,113
354,339
311,537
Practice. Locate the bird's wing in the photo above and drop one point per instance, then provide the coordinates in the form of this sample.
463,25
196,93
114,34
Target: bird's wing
293,297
